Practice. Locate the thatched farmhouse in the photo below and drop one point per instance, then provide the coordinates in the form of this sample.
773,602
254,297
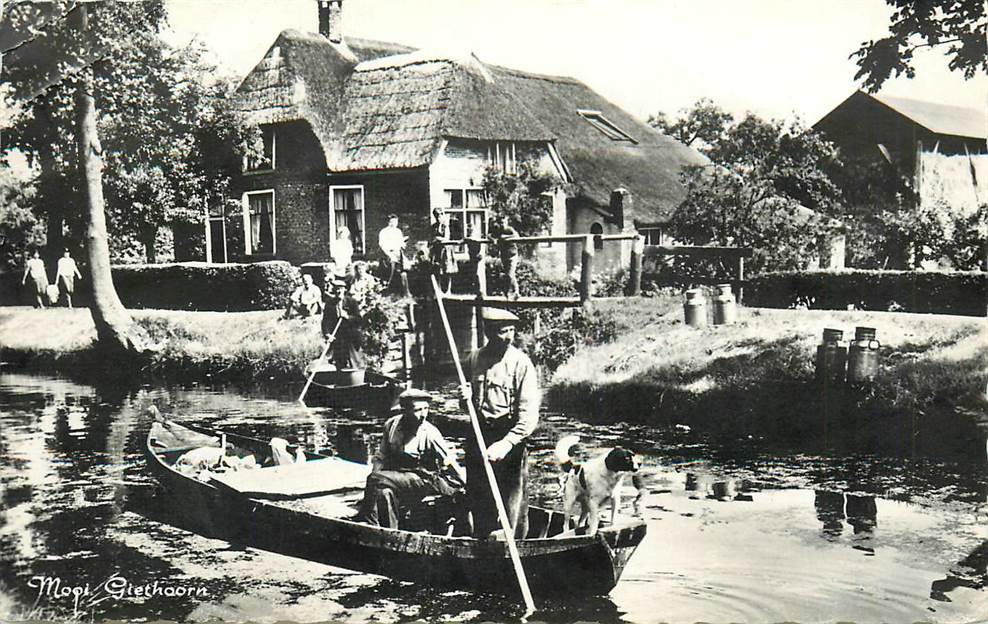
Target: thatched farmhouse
355,130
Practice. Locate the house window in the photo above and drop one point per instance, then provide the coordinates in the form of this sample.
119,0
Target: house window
347,205
259,222
265,160
597,230
467,211
652,235
611,131
216,235
503,156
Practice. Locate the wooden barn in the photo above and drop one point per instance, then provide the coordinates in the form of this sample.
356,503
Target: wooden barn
356,129
874,126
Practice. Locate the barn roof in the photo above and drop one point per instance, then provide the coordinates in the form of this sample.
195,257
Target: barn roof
382,106
940,118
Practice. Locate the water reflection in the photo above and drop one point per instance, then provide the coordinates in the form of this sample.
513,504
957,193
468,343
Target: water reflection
859,511
716,487
77,503
970,572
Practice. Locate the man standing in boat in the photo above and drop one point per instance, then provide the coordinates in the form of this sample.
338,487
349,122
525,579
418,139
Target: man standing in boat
347,339
413,461
504,386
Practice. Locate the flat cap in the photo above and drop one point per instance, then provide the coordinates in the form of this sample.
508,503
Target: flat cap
414,395
498,315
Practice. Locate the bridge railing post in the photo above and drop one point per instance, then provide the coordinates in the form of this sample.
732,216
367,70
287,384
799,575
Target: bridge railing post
586,269
635,274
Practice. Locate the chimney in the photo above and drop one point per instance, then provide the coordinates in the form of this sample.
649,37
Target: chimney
621,202
331,19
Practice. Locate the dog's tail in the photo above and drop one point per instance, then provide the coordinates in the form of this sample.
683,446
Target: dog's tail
563,449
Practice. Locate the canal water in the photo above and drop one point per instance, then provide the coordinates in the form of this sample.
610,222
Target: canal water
736,533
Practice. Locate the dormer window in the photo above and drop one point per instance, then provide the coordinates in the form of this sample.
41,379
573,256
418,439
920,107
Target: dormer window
265,160
605,125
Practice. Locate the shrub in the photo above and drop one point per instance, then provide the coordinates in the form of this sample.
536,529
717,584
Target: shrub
939,292
212,287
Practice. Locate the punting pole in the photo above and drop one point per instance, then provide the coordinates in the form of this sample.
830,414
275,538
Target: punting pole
312,375
502,515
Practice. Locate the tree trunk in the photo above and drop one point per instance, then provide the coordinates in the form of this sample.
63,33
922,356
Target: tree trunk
114,328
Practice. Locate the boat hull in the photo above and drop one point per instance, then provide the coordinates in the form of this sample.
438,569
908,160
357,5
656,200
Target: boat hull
590,565
378,393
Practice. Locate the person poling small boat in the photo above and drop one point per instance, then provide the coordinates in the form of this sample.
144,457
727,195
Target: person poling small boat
342,309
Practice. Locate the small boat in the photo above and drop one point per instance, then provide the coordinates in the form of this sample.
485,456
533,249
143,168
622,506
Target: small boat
368,390
305,510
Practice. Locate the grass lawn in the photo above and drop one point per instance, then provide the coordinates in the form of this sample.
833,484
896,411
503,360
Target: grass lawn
184,345
757,378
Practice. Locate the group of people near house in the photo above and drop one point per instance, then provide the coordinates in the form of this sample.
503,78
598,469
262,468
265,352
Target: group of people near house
414,461
66,274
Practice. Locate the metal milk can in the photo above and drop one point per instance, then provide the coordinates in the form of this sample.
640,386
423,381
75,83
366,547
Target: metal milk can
725,306
862,360
696,308
831,357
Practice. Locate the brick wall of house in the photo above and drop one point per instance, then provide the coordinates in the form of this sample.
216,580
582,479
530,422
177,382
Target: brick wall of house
300,197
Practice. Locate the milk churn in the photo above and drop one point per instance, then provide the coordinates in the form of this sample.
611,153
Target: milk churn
831,358
725,306
696,308
862,359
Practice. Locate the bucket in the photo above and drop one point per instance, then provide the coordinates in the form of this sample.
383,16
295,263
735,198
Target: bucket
725,306
695,308
862,359
831,357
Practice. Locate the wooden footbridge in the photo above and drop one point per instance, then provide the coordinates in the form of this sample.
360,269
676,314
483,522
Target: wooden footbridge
590,244
419,345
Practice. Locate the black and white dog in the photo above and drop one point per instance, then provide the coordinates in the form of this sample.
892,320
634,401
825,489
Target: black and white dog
595,482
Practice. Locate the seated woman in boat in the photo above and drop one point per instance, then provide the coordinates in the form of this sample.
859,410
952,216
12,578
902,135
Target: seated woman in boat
343,309
413,461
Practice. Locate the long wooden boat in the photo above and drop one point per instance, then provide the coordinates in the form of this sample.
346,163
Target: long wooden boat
305,509
377,394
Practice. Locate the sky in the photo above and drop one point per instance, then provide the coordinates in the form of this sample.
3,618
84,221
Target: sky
777,58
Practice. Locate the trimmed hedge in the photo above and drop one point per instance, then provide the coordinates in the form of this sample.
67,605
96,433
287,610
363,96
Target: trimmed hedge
934,292
207,287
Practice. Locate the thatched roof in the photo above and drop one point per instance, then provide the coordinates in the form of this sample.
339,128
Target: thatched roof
381,106
399,108
649,168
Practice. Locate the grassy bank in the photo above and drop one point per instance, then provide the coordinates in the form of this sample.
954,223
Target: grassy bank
756,378
244,347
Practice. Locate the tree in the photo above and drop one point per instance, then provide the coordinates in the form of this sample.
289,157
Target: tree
766,188
176,154
20,230
958,27
522,197
703,125
73,41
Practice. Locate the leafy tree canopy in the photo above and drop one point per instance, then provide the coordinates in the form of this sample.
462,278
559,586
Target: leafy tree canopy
701,126
957,27
522,197
170,144
767,187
